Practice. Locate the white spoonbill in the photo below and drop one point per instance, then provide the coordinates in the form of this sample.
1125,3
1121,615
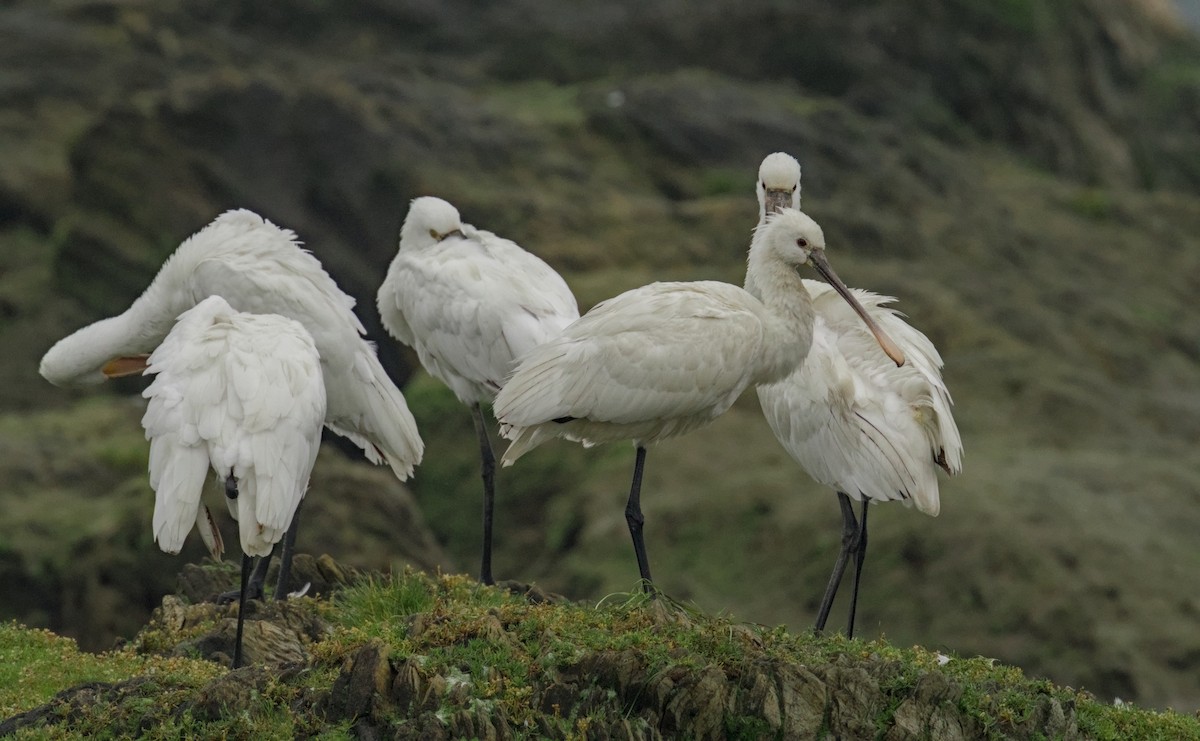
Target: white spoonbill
258,268
470,303
667,358
242,394
856,422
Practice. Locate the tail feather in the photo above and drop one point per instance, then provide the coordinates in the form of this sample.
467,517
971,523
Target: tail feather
386,429
524,439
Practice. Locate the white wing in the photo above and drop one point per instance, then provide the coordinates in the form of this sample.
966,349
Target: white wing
855,421
363,404
648,364
277,387
259,268
242,393
921,386
179,460
472,306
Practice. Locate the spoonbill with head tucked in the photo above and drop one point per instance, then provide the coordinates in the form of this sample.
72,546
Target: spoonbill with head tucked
667,358
470,303
241,394
858,423
261,269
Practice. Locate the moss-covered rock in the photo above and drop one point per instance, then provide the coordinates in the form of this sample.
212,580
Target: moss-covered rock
414,656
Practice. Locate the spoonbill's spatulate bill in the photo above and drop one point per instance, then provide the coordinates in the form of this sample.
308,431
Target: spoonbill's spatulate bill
470,303
667,358
259,268
857,422
241,394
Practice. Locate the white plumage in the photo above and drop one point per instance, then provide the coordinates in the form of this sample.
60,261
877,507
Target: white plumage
470,303
667,358
258,268
854,420
649,364
242,394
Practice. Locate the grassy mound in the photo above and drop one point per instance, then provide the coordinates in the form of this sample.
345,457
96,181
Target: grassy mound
420,656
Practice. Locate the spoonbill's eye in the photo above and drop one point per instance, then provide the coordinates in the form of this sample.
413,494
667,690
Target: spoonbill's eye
794,188
801,242
433,233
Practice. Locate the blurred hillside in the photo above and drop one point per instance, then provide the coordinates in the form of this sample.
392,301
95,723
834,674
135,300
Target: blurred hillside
1025,176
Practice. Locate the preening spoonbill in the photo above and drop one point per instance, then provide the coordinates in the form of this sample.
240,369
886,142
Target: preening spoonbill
667,358
855,421
242,394
258,268
470,303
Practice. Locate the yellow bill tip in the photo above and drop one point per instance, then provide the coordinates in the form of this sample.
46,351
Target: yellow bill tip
126,365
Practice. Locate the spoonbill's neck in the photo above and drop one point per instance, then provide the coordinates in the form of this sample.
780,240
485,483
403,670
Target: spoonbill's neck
789,316
79,357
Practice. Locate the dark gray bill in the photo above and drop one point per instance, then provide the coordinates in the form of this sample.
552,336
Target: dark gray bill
818,261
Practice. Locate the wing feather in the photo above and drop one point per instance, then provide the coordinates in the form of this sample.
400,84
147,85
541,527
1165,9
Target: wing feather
855,421
241,393
630,366
471,307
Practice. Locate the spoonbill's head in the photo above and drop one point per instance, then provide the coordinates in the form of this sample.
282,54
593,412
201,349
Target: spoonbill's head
212,309
430,220
778,184
794,237
798,240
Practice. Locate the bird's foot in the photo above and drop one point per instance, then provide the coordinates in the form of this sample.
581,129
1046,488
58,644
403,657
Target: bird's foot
252,592
535,594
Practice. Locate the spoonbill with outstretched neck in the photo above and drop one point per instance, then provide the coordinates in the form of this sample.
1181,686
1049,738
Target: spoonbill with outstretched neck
667,358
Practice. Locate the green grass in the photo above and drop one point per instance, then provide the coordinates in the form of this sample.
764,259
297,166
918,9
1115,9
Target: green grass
1092,203
36,664
459,635
493,652
539,102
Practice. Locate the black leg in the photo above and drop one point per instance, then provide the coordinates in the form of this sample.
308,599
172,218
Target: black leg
237,648
489,491
859,558
255,588
635,520
259,577
285,556
850,534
